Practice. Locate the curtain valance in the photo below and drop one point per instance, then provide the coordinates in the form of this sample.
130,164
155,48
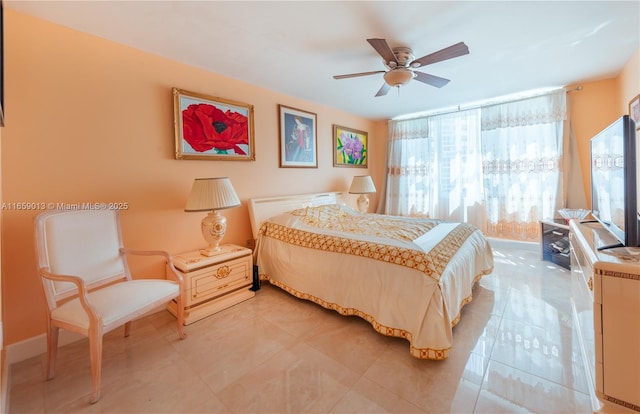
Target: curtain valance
409,129
542,109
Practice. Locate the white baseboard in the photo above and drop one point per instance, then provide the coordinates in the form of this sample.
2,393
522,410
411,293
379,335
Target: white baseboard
36,345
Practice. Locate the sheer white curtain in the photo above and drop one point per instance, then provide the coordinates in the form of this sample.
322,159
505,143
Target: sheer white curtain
498,167
522,147
435,168
456,191
407,165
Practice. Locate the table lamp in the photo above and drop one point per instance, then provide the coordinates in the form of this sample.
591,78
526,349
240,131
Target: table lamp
363,185
212,195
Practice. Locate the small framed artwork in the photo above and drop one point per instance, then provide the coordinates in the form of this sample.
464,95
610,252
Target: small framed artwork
298,138
350,147
211,128
634,110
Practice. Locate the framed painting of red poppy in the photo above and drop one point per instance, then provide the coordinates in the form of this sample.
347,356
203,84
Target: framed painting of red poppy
350,147
298,138
211,128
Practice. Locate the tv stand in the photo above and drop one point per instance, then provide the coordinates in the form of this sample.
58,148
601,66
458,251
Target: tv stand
606,307
555,242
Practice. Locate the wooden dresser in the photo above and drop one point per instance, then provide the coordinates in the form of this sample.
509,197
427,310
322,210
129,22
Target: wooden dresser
606,298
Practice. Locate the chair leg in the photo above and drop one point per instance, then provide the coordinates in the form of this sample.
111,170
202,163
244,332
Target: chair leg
95,350
52,350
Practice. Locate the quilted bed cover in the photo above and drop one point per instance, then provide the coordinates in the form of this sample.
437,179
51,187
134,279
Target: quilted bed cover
409,277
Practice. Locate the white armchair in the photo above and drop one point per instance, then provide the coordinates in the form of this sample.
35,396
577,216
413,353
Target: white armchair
87,283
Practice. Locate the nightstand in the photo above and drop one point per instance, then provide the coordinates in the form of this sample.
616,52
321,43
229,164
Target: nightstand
555,242
213,283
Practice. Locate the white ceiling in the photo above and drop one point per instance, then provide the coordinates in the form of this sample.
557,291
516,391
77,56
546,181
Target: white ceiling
295,47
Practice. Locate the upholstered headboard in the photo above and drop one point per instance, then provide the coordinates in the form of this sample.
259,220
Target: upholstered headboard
261,209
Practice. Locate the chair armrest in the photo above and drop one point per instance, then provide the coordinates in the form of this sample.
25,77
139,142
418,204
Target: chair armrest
77,280
80,285
176,275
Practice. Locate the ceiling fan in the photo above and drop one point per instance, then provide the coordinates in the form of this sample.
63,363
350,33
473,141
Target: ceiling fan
401,63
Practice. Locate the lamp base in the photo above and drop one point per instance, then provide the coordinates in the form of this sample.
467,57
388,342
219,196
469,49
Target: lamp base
213,226
363,203
211,251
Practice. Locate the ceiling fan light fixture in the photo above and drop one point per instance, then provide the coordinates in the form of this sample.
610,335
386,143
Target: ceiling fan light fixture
398,77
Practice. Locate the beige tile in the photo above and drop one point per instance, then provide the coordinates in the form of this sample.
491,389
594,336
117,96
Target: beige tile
507,389
228,355
433,386
368,397
548,351
352,341
296,380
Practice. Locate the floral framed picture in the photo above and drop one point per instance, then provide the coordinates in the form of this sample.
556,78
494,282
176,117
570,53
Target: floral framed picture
350,147
211,128
298,138
634,110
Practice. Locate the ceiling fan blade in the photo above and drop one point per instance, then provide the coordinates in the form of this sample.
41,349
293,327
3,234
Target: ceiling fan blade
383,91
353,75
450,52
382,47
432,80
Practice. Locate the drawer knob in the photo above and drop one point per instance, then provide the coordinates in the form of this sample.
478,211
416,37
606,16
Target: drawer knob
222,272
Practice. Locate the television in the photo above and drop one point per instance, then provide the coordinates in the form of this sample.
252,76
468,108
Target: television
615,163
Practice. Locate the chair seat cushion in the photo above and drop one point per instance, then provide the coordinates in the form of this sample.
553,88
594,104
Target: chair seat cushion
129,300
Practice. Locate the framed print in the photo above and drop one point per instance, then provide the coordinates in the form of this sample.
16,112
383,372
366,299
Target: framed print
211,128
634,110
298,138
350,147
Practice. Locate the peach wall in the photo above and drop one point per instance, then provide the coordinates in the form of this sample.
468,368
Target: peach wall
592,109
629,82
90,120
597,105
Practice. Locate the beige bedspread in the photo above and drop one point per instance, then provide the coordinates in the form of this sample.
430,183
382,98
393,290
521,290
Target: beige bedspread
408,277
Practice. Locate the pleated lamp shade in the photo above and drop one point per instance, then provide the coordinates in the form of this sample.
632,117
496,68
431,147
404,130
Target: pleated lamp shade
209,194
362,184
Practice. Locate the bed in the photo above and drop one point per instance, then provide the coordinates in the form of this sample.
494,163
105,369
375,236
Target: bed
408,277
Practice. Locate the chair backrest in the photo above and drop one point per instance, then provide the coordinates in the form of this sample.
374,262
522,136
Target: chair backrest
83,243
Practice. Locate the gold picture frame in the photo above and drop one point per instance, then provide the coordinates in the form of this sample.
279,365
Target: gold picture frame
212,128
350,147
634,110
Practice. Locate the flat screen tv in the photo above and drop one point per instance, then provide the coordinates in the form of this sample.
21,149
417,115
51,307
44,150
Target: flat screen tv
615,163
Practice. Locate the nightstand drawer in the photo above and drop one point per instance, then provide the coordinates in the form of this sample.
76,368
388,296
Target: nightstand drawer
217,280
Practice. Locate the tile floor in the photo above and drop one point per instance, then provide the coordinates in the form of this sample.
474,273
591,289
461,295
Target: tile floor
515,350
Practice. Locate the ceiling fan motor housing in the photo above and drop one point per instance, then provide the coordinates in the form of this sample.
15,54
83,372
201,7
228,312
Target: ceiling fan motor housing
404,56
